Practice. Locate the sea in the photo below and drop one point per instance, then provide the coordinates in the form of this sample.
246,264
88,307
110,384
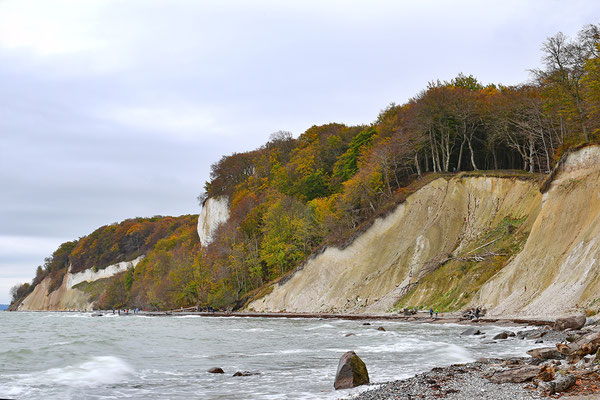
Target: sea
61,355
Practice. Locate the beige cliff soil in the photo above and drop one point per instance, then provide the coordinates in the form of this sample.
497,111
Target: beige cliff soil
467,241
384,263
63,298
557,272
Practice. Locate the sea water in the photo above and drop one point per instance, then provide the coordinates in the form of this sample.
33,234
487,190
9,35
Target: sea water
52,355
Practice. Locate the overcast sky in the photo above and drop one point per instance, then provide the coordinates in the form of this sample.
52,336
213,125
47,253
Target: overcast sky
116,109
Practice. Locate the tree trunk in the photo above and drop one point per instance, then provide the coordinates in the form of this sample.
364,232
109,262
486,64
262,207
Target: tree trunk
472,155
460,154
417,164
531,166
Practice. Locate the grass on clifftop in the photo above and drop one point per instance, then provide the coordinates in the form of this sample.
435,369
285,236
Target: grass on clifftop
452,286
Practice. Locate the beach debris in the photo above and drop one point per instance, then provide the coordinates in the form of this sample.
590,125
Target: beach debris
351,372
216,370
574,322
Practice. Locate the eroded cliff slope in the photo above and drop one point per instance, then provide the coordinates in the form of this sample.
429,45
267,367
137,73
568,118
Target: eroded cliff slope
436,223
558,270
492,241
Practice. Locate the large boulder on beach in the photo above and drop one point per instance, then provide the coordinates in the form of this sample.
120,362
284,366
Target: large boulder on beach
351,372
561,383
546,353
573,322
514,375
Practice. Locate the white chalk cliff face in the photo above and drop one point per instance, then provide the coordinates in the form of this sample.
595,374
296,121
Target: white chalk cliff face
215,211
67,297
90,276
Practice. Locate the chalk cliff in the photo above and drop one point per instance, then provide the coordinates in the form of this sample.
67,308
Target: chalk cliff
67,296
493,241
215,211
559,268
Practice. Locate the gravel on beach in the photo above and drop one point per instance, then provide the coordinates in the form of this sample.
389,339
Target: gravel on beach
459,382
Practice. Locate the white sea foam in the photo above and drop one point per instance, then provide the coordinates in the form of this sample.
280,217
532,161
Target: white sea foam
322,326
454,353
98,371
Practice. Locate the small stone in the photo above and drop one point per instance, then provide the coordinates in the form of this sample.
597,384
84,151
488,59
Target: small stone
502,335
216,370
539,341
366,323
349,334
381,328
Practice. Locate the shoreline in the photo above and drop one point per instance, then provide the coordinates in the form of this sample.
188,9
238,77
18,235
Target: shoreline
538,376
448,318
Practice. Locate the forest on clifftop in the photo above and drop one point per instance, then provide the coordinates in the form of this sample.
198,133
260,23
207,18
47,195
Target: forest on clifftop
293,196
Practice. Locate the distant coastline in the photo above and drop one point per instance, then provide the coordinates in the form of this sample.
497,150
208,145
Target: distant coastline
3,307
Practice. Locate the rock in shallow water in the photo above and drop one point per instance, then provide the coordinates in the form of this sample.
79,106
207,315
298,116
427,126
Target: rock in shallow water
351,372
216,370
504,335
471,331
246,373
